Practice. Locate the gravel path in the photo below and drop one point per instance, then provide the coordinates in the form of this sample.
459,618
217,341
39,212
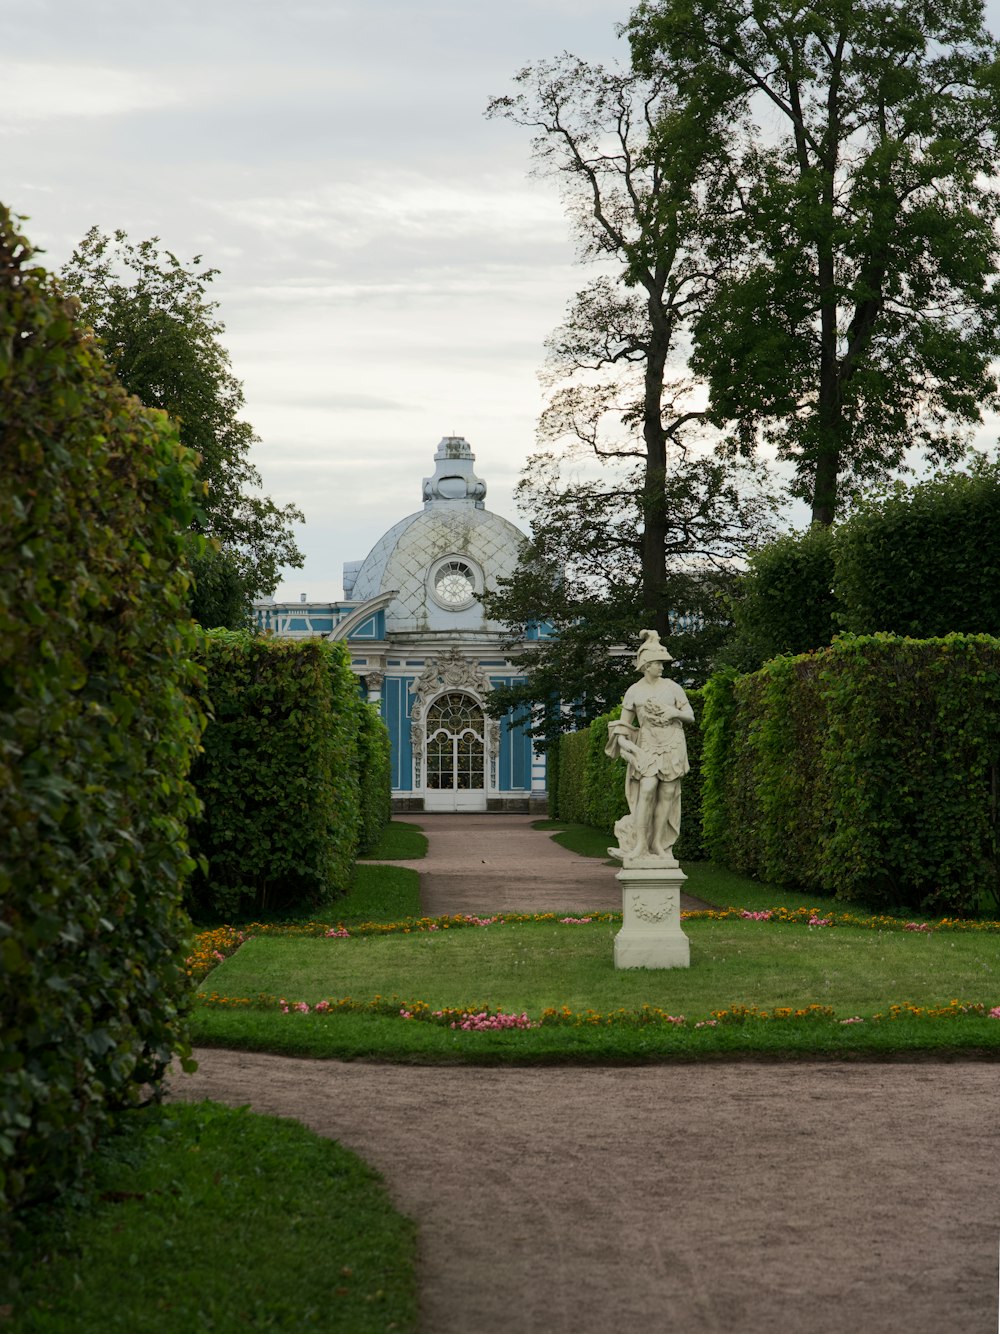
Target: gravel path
498,863
736,1198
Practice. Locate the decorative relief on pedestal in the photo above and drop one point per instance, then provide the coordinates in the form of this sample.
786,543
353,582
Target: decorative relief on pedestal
373,681
663,912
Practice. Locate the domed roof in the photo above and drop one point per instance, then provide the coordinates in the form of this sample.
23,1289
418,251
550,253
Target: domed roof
439,559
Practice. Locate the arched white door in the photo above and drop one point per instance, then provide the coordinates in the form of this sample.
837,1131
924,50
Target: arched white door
455,757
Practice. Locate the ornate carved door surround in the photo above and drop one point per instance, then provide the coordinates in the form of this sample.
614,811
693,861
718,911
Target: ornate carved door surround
455,746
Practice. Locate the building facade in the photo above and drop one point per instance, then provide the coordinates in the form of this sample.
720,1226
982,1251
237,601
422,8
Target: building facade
425,651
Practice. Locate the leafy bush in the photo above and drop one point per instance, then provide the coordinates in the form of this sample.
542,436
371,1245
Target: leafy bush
374,777
99,721
786,602
869,770
925,561
278,778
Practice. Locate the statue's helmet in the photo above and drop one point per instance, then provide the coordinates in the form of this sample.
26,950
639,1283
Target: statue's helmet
650,650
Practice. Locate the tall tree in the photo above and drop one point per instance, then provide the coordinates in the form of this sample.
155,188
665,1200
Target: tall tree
161,333
859,316
617,396
642,530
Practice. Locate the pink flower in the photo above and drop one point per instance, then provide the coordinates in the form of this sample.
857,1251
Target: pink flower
707,1023
855,1020
820,921
405,1014
575,921
994,1013
756,916
917,926
321,1007
340,932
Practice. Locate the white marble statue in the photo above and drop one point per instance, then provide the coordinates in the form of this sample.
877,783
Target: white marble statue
650,737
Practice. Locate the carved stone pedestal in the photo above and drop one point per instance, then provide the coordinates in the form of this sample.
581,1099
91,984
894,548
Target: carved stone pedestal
651,935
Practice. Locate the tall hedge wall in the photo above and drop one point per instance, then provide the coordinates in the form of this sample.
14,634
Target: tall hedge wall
99,720
374,777
278,778
592,786
870,770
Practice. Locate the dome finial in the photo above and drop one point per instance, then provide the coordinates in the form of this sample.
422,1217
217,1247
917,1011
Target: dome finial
454,479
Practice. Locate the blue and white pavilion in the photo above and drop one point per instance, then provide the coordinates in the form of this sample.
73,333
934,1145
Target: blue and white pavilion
420,640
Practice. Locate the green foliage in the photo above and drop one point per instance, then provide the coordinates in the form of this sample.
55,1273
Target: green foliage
99,721
855,226
869,770
162,335
552,779
924,561
573,749
278,777
218,594
604,778
718,723
374,777
912,760
785,602
651,541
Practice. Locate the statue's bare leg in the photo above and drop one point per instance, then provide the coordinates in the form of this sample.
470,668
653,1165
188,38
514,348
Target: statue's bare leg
645,816
666,819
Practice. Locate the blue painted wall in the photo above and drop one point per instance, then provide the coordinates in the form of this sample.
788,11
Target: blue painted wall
514,765
396,705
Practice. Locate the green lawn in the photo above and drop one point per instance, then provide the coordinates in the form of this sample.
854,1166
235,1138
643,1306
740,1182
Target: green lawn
205,1218
531,967
852,971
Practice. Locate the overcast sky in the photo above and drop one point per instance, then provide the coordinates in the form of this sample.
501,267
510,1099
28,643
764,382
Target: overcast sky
389,272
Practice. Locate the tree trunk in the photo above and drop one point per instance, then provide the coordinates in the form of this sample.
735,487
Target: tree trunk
655,518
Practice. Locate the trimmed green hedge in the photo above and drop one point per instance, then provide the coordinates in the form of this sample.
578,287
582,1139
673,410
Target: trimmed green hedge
924,561
374,776
99,721
573,748
869,770
278,778
592,786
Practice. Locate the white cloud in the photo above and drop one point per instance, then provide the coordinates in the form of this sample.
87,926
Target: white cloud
35,90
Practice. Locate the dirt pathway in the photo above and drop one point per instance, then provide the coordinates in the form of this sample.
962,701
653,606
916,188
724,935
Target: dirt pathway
813,1198
498,863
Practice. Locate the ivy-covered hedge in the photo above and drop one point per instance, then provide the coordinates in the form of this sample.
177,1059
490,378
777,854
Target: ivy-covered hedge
99,721
278,778
870,770
374,777
592,786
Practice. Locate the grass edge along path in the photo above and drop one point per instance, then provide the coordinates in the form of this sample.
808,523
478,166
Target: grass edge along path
407,1028
200,1216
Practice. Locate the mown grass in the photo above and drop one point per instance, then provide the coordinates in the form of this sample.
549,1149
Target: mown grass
532,967
852,971
201,1217
400,842
378,894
